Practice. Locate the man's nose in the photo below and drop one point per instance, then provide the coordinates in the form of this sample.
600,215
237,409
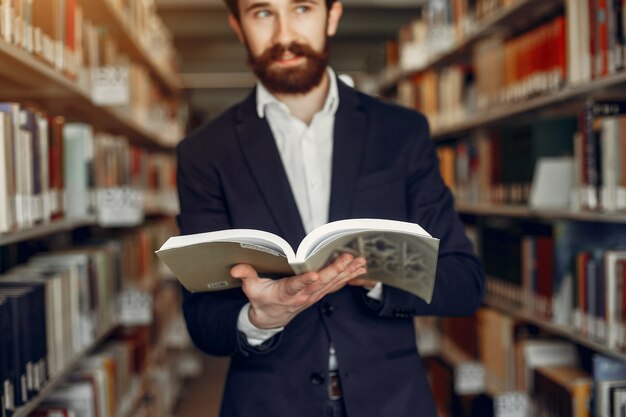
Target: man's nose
284,33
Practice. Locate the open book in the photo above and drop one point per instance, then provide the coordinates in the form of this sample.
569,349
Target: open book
399,254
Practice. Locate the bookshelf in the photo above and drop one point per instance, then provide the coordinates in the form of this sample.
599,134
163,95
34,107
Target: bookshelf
103,12
524,212
24,77
57,226
519,11
128,148
561,97
563,331
26,409
492,97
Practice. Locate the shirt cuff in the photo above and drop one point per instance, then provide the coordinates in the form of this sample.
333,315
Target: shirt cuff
377,292
254,335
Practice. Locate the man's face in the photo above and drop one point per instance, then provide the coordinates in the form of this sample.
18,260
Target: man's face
287,41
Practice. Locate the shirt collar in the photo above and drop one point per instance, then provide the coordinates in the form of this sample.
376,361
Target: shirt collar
264,98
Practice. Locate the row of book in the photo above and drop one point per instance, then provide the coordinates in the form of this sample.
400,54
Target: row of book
138,371
498,166
444,23
506,70
555,376
592,147
53,169
58,33
56,305
102,381
501,71
142,20
573,276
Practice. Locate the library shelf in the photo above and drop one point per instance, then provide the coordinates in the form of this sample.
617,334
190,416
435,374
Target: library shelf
557,329
450,353
132,399
505,18
29,407
500,113
25,78
45,229
520,211
103,12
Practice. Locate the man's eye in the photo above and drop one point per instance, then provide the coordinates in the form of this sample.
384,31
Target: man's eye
302,9
262,13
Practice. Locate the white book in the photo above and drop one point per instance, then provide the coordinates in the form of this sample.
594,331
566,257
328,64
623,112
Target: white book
610,152
399,254
613,297
6,212
80,397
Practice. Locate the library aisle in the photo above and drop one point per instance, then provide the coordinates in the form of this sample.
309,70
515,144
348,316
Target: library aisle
202,396
526,104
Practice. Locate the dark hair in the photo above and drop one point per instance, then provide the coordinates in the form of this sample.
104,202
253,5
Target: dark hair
234,8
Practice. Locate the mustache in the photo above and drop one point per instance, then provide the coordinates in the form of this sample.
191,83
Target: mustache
276,52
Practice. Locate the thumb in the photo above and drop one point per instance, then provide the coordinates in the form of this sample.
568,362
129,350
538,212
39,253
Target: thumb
244,272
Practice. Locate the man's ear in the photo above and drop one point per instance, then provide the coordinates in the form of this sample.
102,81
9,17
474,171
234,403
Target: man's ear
234,23
334,15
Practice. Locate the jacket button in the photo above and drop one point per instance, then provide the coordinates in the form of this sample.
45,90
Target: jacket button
328,308
316,379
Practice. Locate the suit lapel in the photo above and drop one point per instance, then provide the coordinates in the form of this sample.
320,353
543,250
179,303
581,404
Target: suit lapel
261,154
349,141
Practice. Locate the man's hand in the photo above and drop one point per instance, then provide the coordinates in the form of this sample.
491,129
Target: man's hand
274,303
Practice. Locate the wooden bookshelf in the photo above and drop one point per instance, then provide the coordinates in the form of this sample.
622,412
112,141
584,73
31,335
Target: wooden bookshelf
45,229
26,79
498,114
102,12
546,214
32,404
503,20
545,324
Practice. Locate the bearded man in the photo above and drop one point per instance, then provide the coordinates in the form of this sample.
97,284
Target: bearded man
304,149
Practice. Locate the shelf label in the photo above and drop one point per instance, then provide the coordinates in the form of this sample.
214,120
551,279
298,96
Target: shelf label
119,207
469,378
512,404
110,86
135,308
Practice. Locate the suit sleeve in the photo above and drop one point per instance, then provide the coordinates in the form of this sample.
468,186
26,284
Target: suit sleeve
211,317
459,284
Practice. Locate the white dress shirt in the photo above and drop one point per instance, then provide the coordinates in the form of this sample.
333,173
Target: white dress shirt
306,153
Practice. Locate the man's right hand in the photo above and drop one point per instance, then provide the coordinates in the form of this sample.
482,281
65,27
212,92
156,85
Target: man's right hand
274,303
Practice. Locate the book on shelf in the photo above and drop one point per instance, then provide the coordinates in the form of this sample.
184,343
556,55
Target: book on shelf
609,377
398,254
562,391
534,353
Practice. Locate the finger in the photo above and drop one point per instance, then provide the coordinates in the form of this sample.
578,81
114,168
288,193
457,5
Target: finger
244,272
330,272
337,285
366,283
354,269
294,285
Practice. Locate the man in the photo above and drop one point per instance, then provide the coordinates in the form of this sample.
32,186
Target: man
301,150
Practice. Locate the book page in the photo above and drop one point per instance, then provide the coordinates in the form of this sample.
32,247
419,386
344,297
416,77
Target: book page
322,235
401,260
251,237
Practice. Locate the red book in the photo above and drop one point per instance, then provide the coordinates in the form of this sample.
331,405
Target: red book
603,38
55,165
560,46
593,36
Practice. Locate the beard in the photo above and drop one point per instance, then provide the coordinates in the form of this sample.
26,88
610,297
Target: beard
299,79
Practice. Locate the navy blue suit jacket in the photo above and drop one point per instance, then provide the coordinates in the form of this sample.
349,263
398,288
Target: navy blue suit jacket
385,166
